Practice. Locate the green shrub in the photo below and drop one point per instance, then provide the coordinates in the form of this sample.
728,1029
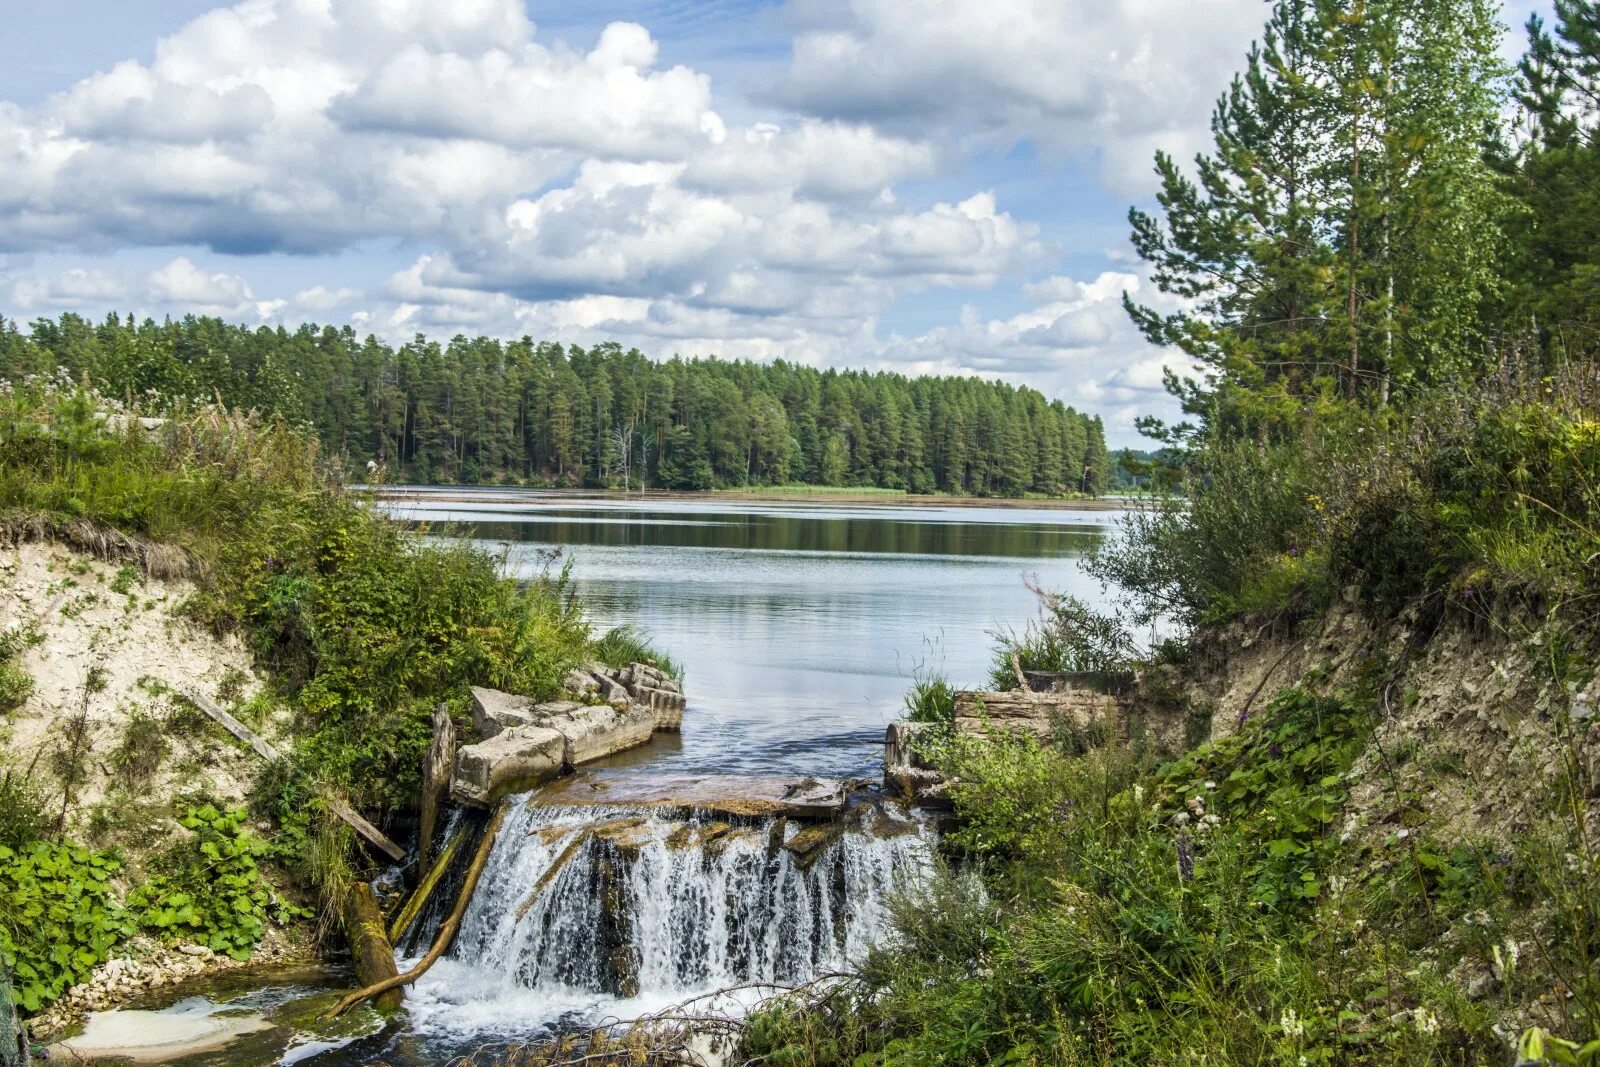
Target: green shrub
209,889
16,686
23,818
58,918
1067,636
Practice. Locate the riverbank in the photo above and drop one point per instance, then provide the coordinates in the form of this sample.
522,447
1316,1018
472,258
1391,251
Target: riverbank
215,662
806,495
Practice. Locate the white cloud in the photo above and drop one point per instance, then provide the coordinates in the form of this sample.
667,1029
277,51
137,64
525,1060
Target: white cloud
177,286
1115,77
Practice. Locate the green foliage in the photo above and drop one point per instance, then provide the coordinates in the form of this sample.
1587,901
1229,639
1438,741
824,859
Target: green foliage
1193,913
1068,636
625,644
930,699
1278,785
58,918
16,686
23,818
1007,789
479,411
210,890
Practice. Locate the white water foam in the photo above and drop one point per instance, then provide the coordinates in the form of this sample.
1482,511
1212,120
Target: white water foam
689,918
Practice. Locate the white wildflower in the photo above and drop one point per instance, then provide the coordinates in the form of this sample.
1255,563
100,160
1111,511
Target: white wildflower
1292,1025
1427,1022
1181,819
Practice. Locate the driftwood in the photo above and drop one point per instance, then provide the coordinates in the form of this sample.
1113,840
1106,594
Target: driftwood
264,749
436,774
447,932
550,874
372,953
424,890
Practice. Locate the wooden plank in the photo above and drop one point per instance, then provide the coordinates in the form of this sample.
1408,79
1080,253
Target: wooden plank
361,826
262,748
232,725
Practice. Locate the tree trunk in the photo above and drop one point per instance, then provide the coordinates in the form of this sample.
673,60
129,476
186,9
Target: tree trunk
369,946
436,774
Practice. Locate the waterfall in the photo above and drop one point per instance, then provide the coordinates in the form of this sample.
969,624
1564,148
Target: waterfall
588,906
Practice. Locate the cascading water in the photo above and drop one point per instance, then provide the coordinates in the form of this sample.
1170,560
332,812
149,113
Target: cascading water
587,912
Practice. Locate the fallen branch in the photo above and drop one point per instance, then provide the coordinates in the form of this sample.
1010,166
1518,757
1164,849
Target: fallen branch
447,932
419,897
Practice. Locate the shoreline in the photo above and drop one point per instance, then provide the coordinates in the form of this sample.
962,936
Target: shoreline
497,493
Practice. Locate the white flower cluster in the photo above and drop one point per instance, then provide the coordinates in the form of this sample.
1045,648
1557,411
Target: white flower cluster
1204,823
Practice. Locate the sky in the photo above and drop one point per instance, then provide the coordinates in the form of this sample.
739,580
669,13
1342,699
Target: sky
924,186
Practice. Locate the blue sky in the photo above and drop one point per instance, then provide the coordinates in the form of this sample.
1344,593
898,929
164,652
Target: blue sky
920,185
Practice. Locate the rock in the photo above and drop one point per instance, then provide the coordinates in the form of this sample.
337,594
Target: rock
593,731
898,749
664,704
906,772
494,711
1071,705
725,794
513,760
808,844
579,682
697,835
646,685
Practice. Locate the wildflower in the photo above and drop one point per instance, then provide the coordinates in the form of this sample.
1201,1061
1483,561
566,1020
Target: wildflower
1181,819
1293,1027
1427,1022
1505,962
1197,805
1210,784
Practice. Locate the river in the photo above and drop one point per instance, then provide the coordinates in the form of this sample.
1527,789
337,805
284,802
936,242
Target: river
798,627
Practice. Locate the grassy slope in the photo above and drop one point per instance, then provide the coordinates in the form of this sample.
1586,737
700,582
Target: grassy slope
360,629
1377,842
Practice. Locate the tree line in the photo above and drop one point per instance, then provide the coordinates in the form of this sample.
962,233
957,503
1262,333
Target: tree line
1389,209
479,411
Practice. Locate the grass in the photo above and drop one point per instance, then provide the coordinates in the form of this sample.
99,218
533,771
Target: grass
1204,911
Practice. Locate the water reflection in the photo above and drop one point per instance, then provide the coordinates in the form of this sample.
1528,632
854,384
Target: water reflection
798,626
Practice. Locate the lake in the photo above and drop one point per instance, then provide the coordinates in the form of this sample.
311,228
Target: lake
799,626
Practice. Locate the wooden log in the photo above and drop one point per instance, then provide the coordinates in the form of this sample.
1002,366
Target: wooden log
436,775
424,890
447,932
373,955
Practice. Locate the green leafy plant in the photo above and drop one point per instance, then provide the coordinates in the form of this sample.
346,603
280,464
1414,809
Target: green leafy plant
210,889
58,917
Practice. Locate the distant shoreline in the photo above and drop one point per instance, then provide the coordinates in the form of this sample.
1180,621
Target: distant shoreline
466,494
